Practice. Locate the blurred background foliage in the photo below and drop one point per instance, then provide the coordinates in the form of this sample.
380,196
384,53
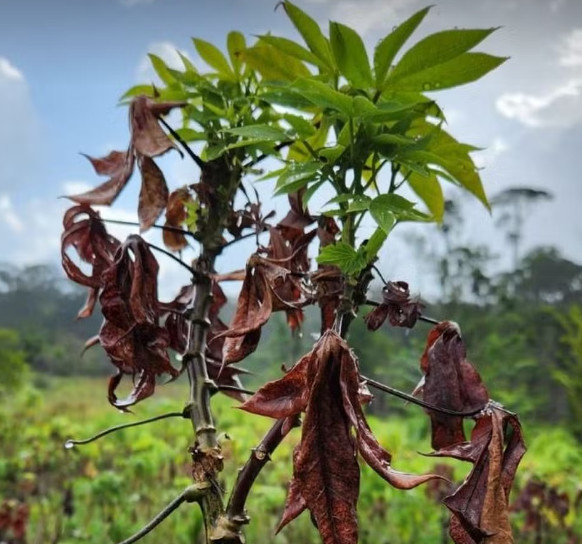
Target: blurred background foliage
523,330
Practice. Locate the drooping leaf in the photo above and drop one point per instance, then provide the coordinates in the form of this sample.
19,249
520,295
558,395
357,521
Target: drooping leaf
429,190
153,196
397,306
176,215
451,382
84,231
147,137
131,335
387,49
118,165
350,55
325,385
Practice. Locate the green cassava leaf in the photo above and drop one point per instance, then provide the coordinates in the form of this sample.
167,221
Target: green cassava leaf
344,256
161,69
332,154
235,43
436,49
273,64
350,55
463,69
191,135
302,127
429,191
310,31
323,95
212,56
387,49
383,216
296,175
293,49
266,133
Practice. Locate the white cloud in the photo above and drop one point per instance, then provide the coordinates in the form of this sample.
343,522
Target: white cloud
8,214
367,15
168,52
559,107
9,71
571,49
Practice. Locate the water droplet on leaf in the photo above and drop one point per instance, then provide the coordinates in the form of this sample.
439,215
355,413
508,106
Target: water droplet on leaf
427,86
69,445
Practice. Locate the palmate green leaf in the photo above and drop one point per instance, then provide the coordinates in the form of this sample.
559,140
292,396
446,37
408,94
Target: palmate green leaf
429,190
311,33
266,133
273,64
161,69
463,69
320,94
235,43
296,175
344,256
437,49
383,216
302,127
387,49
386,209
212,56
191,135
350,55
332,154
292,49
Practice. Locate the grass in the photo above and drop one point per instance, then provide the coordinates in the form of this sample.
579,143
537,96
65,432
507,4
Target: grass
105,491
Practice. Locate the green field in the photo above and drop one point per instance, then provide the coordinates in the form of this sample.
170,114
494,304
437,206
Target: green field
105,491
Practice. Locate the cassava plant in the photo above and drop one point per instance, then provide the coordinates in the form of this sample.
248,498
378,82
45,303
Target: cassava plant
336,124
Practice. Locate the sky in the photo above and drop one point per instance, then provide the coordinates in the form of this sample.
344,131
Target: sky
65,63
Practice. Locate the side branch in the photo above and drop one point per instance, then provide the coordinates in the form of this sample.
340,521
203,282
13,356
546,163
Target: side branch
413,400
248,474
190,494
70,443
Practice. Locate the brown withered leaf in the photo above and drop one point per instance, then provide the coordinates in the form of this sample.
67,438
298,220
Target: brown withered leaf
396,306
451,382
85,232
267,287
176,214
177,328
131,334
148,140
147,137
325,385
479,508
118,165
153,196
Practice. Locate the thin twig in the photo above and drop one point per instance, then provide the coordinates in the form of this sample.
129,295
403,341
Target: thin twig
172,256
199,162
405,396
243,237
136,224
70,443
262,157
190,494
235,389
379,274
